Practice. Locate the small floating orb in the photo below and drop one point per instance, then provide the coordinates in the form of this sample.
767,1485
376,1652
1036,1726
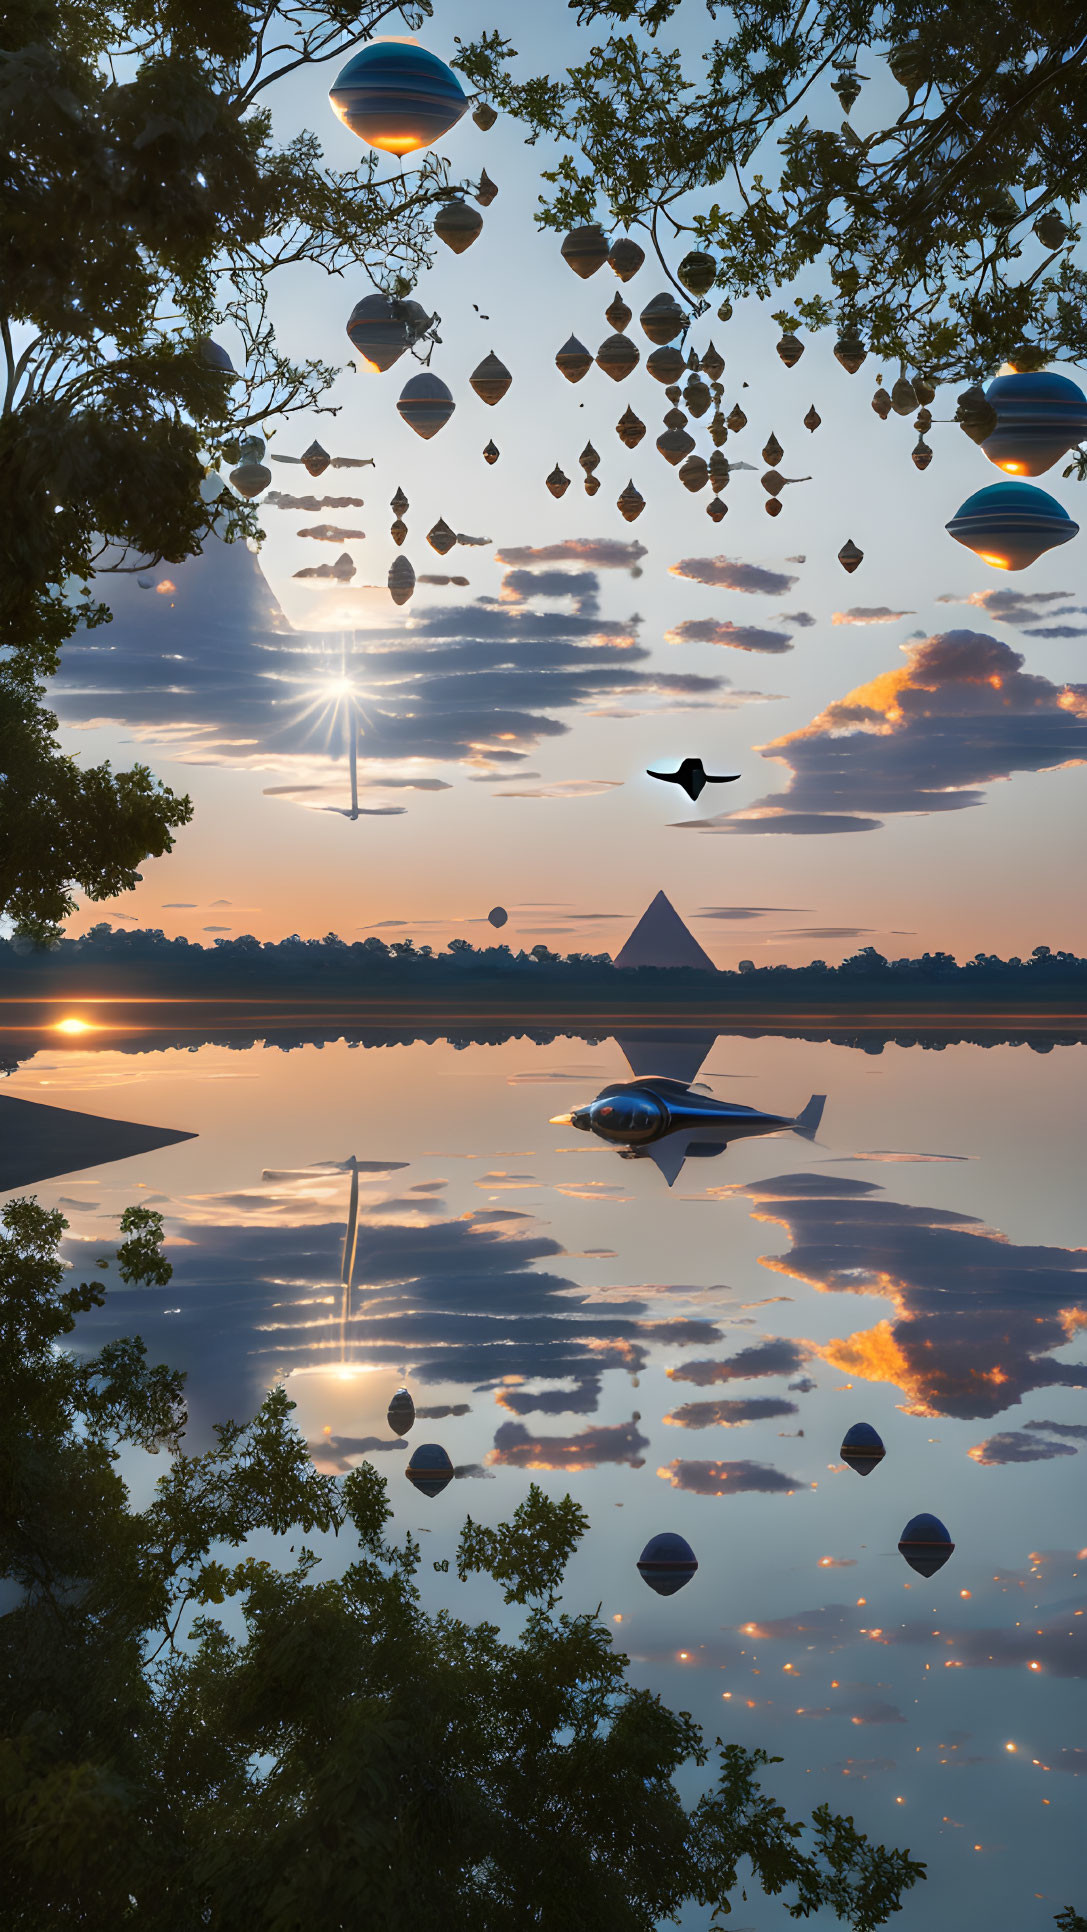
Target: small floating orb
697,271
1010,525
497,916
1040,416
401,1413
396,96
426,404
430,1470
926,1544
862,1448
667,1563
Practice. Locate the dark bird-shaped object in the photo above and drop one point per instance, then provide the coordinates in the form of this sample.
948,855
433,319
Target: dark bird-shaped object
694,777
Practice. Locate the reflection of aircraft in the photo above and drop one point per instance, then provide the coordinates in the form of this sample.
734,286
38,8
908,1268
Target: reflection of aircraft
669,1121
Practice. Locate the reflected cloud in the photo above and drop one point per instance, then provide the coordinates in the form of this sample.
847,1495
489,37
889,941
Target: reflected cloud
730,1478
622,1442
738,637
870,614
729,1415
778,1357
728,573
602,553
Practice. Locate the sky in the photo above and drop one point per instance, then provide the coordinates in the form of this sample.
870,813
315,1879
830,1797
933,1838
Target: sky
508,723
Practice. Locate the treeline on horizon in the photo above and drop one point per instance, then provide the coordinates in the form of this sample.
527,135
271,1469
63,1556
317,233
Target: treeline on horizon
146,960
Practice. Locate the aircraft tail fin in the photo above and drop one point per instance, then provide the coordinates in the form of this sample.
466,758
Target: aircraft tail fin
807,1121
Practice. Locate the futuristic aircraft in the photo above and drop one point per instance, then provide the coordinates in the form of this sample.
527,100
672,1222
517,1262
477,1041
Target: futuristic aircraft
668,1121
693,777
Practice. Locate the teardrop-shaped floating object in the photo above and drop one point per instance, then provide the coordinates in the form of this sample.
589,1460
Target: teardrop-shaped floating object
813,419
626,257
736,419
441,538
430,1469
457,225
557,483
697,271
790,349
713,363
716,509
881,403
630,429
667,1563
250,478
697,396
589,459
719,470
592,484
487,190
921,454
491,453
718,429
484,116
772,451
401,1413
315,459
425,404
398,531
903,397
401,580
585,249
663,318
674,445
862,1448
694,473
924,391
618,356
850,351
490,379
573,359
399,502
617,315
849,556
674,419
630,503
773,482
724,313
926,1544
665,365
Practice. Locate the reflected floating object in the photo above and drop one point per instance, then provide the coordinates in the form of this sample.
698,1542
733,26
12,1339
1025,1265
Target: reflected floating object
675,444
812,420
694,474
441,538
773,482
668,1121
396,96
719,470
214,356
903,397
696,395
772,506
772,451
697,271
862,1448
589,459
491,453
401,580
382,327
663,318
457,225
848,87
922,422
718,429
398,531
849,556
921,454
850,351
497,916
430,1470
909,63
667,1563
736,419
713,363
625,257
399,502
490,379
315,459
925,1544
251,475
630,503
617,315
558,483
592,484
923,390
487,190
717,510
881,401
1009,525
630,429
724,313
401,1413
692,777
665,365
426,404
484,116
1039,417
790,349
618,356
573,359
975,413
585,250
1051,230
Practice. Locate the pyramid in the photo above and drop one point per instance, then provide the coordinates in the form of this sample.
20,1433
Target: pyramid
37,1142
660,938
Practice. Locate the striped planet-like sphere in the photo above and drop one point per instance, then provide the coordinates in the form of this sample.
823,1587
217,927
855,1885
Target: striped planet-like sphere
397,96
1009,525
430,1469
381,327
497,916
401,580
490,379
426,404
1039,418
926,1544
667,1563
862,1448
401,1413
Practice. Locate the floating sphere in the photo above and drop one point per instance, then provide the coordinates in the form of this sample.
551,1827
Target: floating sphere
923,390
630,503
625,257
921,454
214,356
694,473
617,315
713,363
667,1563
381,327
724,313
441,538
850,351
697,271
430,1470
617,357
773,482
772,506
925,1544
772,451
401,580
1009,525
663,318
397,96
716,509
585,250
882,404
903,397
484,116
1040,416
491,453
849,556
557,483
630,429
490,379
790,349
315,459
497,916
401,1413
697,396
812,420
457,225
862,1448
425,404
665,365
592,484
736,419
250,478
674,445
573,359
487,190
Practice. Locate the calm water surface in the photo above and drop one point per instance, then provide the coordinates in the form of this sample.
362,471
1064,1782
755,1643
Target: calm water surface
686,1358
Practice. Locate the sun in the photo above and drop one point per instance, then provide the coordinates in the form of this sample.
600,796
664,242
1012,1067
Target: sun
73,1026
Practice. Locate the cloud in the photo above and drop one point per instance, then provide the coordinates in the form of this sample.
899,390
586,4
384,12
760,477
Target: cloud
582,585
729,1415
1072,1758
621,1442
329,533
778,1357
1014,606
742,912
802,620
1075,1431
730,1478
739,637
729,574
218,928
431,577
179,905
342,570
277,500
869,614
1014,1446
565,788
960,714
438,1411
472,541
602,553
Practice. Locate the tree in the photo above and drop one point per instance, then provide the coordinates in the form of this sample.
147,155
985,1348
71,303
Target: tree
339,1754
943,236
144,205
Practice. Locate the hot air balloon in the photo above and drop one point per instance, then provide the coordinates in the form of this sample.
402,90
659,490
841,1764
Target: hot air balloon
667,1563
696,395
850,351
849,556
921,454
724,313
718,470
772,451
922,422
497,916
630,504
923,390
487,189
457,225
441,538
663,318
399,503
425,404
381,327
790,349
1009,525
617,357
490,379
401,1413
675,444
881,401
401,580
573,359
589,459
813,419
430,1470
251,476
626,257
491,453
484,116
925,1544
694,473
903,397
1040,416
862,1448
557,483
398,530
315,459
697,271
592,484
617,315
665,365
909,63
397,96
713,363
585,250
630,429
214,356
716,509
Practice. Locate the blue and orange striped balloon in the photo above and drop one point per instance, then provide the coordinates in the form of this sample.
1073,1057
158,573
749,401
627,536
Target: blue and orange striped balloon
397,96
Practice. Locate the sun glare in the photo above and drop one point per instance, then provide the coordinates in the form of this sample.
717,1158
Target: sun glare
73,1026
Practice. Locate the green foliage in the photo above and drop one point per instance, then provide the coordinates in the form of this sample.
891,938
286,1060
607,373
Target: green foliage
327,1752
917,232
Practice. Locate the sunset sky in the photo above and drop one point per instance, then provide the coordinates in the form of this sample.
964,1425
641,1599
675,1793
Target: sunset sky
507,725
